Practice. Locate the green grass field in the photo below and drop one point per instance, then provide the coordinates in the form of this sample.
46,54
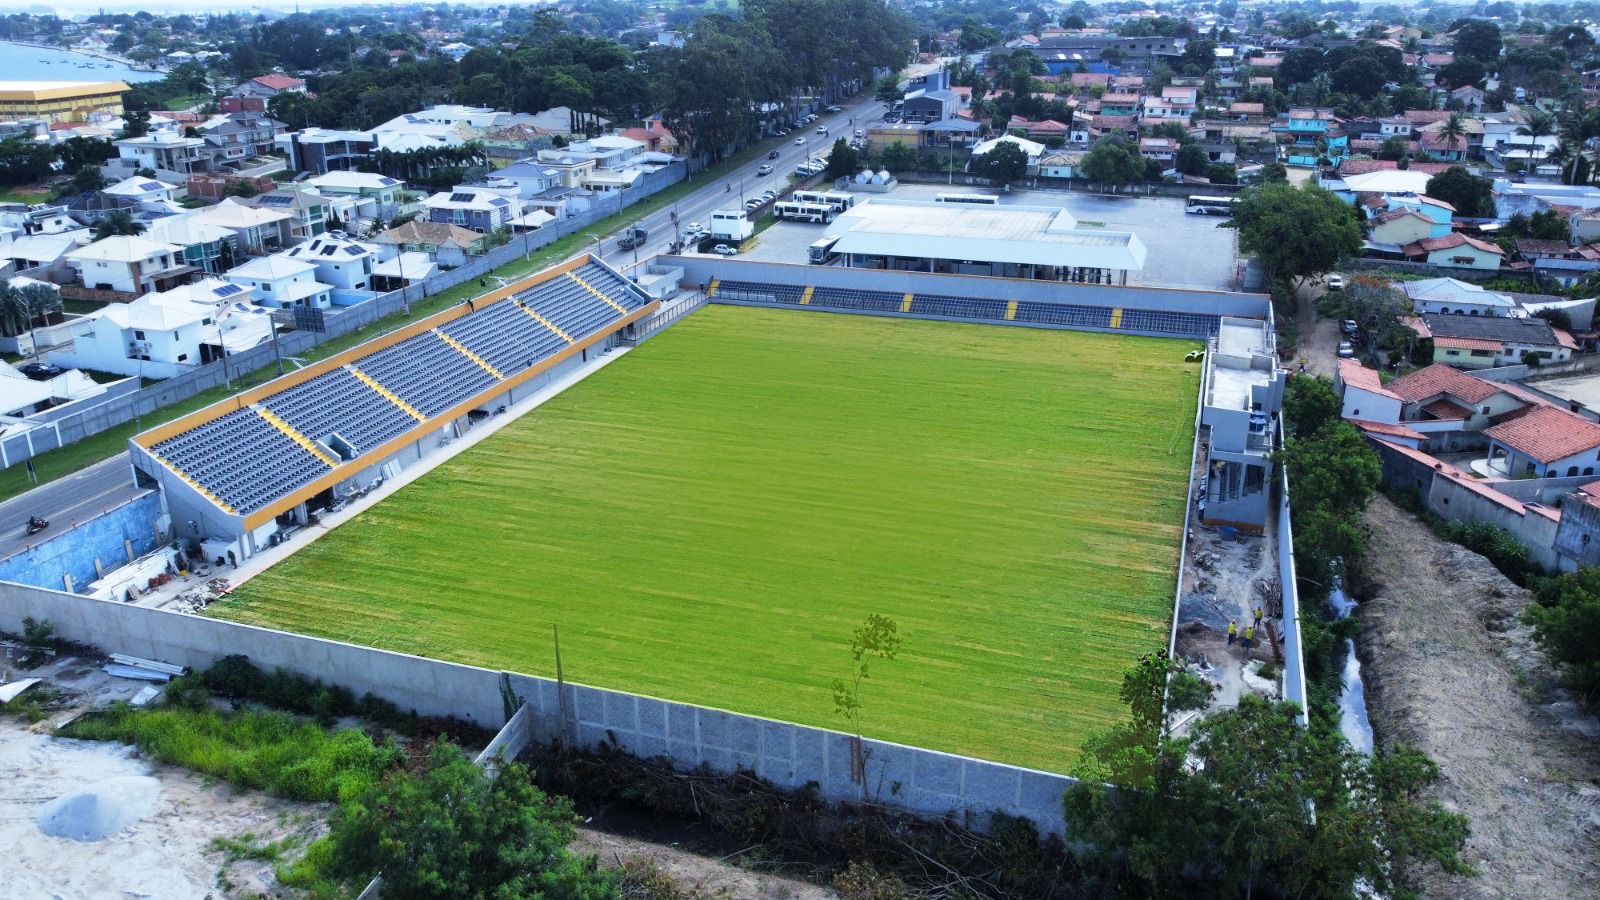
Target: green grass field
711,516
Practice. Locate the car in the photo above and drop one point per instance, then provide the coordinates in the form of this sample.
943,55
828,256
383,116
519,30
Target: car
799,142
764,169
1335,282
768,195
1349,326
773,155
822,129
724,250
783,132
691,228
834,109
860,134
1346,350
39,371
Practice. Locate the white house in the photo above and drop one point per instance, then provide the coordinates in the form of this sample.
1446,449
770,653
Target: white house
1546,441
478,209
143,190
282,282
378,195
257,229
340,262
129,263
161,335
167,150
1447,295
1365,397
1032,148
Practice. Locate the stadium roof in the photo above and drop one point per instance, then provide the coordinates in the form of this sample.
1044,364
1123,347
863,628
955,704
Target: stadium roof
1024,235
58,90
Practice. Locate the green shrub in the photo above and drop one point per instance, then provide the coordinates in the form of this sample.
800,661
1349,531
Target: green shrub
1496,544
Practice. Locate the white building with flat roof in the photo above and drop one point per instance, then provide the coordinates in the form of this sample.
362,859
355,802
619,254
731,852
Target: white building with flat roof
1036,242
1239,410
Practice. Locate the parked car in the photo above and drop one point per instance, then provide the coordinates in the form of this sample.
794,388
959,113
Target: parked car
1345,350
692,227
764,169
769,195
1349,327
39,371
834,109
1335,282
724,250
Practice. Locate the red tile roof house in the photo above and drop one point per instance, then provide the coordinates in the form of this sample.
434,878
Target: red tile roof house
1545,442
1438,409
272,86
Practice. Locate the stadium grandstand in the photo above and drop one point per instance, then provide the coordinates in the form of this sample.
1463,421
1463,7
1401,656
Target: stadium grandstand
238,473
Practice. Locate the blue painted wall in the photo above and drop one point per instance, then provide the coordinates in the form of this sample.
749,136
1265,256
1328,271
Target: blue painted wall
73,552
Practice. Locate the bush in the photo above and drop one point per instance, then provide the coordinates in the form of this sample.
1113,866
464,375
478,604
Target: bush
1566,622
1494,543
236,678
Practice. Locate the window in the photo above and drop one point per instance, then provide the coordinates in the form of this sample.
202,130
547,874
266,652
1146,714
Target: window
1486,410
138,335
265,287
183,357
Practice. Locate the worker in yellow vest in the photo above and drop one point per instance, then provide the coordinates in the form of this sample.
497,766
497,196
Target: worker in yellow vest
1233,632
1249,637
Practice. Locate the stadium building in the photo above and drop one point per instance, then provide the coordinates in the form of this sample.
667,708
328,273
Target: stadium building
1033,242
60,101
238,474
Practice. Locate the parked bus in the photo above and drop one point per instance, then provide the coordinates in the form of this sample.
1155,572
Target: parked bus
1210,206
822,252
796,211
977,199
838,200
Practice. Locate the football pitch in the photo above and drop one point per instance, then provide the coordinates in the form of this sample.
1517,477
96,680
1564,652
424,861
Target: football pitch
710,517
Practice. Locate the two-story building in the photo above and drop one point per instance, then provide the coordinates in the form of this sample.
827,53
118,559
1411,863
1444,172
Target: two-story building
256,230
308,211
1243,395
209,248
476,209
161,335
379,195
281,282
167,150
340,262
1311,134
130,264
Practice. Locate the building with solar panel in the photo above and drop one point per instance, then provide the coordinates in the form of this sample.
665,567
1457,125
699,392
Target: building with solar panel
477,209
240,475
161,335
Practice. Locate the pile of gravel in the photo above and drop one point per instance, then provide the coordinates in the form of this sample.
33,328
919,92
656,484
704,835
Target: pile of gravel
101,810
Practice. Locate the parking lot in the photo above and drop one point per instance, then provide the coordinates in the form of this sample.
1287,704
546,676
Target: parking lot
1183,250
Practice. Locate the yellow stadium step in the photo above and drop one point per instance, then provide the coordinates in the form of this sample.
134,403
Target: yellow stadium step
545,322
294,434
1116,317
1011,310
712,290
462,349
905,302
387,394
805,298
595,291
204,492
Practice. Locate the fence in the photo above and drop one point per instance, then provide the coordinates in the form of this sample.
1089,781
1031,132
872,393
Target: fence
1294,665
650,327
121,410
907,779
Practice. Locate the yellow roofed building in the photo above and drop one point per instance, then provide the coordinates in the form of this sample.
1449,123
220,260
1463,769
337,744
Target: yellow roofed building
59,101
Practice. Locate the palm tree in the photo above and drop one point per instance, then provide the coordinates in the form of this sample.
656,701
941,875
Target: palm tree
1577,127
1453,131
1540,124
117,222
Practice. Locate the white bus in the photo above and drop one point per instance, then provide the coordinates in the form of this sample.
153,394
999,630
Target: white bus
838,200
822,251
1210,206
797,211
977,199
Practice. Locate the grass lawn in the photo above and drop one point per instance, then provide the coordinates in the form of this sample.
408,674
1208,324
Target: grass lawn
22,195
711,516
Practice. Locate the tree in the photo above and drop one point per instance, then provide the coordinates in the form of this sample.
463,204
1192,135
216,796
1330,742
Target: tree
1540,124
843,161
1395,147
87,178
1295,232
1453,133
1005,162
1073,21
135,124
899,157
976,35
117,222
1309,402
1566,622
1253,803
877,637
1465,70
21,308
1192,160
456,832
1111,162
888,89
1472,196
1361,75
1478,39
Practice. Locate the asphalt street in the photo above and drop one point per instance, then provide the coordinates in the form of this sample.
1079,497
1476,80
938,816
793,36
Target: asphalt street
65,501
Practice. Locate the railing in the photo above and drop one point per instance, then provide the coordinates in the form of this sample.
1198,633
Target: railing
650,327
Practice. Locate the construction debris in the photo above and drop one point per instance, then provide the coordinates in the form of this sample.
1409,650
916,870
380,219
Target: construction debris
9,691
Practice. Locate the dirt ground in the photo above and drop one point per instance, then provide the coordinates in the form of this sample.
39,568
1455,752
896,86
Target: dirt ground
1450,669
1319,338
703,878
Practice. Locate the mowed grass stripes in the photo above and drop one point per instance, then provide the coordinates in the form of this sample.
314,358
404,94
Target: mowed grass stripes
711,516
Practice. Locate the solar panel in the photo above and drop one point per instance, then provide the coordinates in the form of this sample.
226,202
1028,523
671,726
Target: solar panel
461,198
152,185
387,181
328,251
227,290
500,201
353,251
275,200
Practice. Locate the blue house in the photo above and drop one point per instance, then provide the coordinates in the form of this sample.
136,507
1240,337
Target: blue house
1307,129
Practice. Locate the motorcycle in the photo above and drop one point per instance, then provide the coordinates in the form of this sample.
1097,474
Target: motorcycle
36,524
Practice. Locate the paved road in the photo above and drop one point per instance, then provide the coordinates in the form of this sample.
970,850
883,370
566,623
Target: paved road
73,498
723,187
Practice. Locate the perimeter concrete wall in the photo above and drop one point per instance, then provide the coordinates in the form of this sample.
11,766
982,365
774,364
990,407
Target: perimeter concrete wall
909,779
73,553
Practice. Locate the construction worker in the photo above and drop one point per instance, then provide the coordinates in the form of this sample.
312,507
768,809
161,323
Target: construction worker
1258,617
1233,632
1249,637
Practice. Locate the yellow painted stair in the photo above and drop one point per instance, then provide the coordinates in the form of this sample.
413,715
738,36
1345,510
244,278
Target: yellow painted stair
295,435
1116,317
593,290
387,394
712,290
545,322
805,298
1011,310
462,349
905,303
